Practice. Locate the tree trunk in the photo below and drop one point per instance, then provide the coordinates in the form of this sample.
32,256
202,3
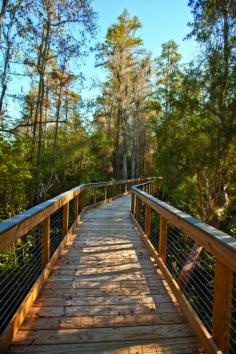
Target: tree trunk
116,156
2,14
124,155
4,81
58,115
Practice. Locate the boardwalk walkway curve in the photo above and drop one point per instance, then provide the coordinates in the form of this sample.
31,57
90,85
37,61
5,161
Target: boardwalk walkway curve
94,270
105,294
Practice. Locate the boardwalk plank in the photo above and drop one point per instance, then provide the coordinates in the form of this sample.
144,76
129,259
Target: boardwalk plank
185,345
105,295
73,336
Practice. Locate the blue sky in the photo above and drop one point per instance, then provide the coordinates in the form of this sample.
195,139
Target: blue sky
161,20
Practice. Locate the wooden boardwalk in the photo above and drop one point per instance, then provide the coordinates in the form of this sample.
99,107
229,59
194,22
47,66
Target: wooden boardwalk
105,295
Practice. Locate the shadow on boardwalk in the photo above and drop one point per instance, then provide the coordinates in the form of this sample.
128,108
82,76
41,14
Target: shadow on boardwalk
105,295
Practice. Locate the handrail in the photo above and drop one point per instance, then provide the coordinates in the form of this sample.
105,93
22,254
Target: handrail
215,241
195,258
15,227
35,238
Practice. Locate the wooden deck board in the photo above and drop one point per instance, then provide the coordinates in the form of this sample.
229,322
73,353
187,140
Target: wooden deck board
105,295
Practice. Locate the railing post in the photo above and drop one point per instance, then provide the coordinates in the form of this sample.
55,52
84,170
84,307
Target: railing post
147,220
105,194
222,306
126,189
76,207
65,218
94,196
132,203
46,241
162,238
138,209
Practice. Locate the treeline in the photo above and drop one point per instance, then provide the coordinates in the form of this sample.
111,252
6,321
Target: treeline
155,116
44,148
172,119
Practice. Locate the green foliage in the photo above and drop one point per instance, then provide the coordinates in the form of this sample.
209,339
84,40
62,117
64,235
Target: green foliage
194,142
101,149
179,124
14,176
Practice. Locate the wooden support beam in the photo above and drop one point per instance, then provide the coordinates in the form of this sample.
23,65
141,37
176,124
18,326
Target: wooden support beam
132,203
76,207
218,243
147,220
19,316
222,306
65,218
162,238
138,205
46,242
204,336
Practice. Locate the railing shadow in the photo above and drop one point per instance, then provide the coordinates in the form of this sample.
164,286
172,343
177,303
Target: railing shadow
122,304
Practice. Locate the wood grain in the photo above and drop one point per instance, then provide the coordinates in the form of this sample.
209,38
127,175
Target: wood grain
218,243
222,306
105,294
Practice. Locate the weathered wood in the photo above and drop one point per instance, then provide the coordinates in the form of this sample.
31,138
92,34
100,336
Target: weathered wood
16,227
46,242
185,345
199,329
111,292
96,321
138,205
71,336
218,243
132,203
65,218
15,323
222,307
163,238
147,220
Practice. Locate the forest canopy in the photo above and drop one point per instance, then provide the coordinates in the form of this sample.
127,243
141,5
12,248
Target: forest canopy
154,116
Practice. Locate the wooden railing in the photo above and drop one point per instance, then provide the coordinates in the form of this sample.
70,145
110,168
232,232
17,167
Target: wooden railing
199,264
31,242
